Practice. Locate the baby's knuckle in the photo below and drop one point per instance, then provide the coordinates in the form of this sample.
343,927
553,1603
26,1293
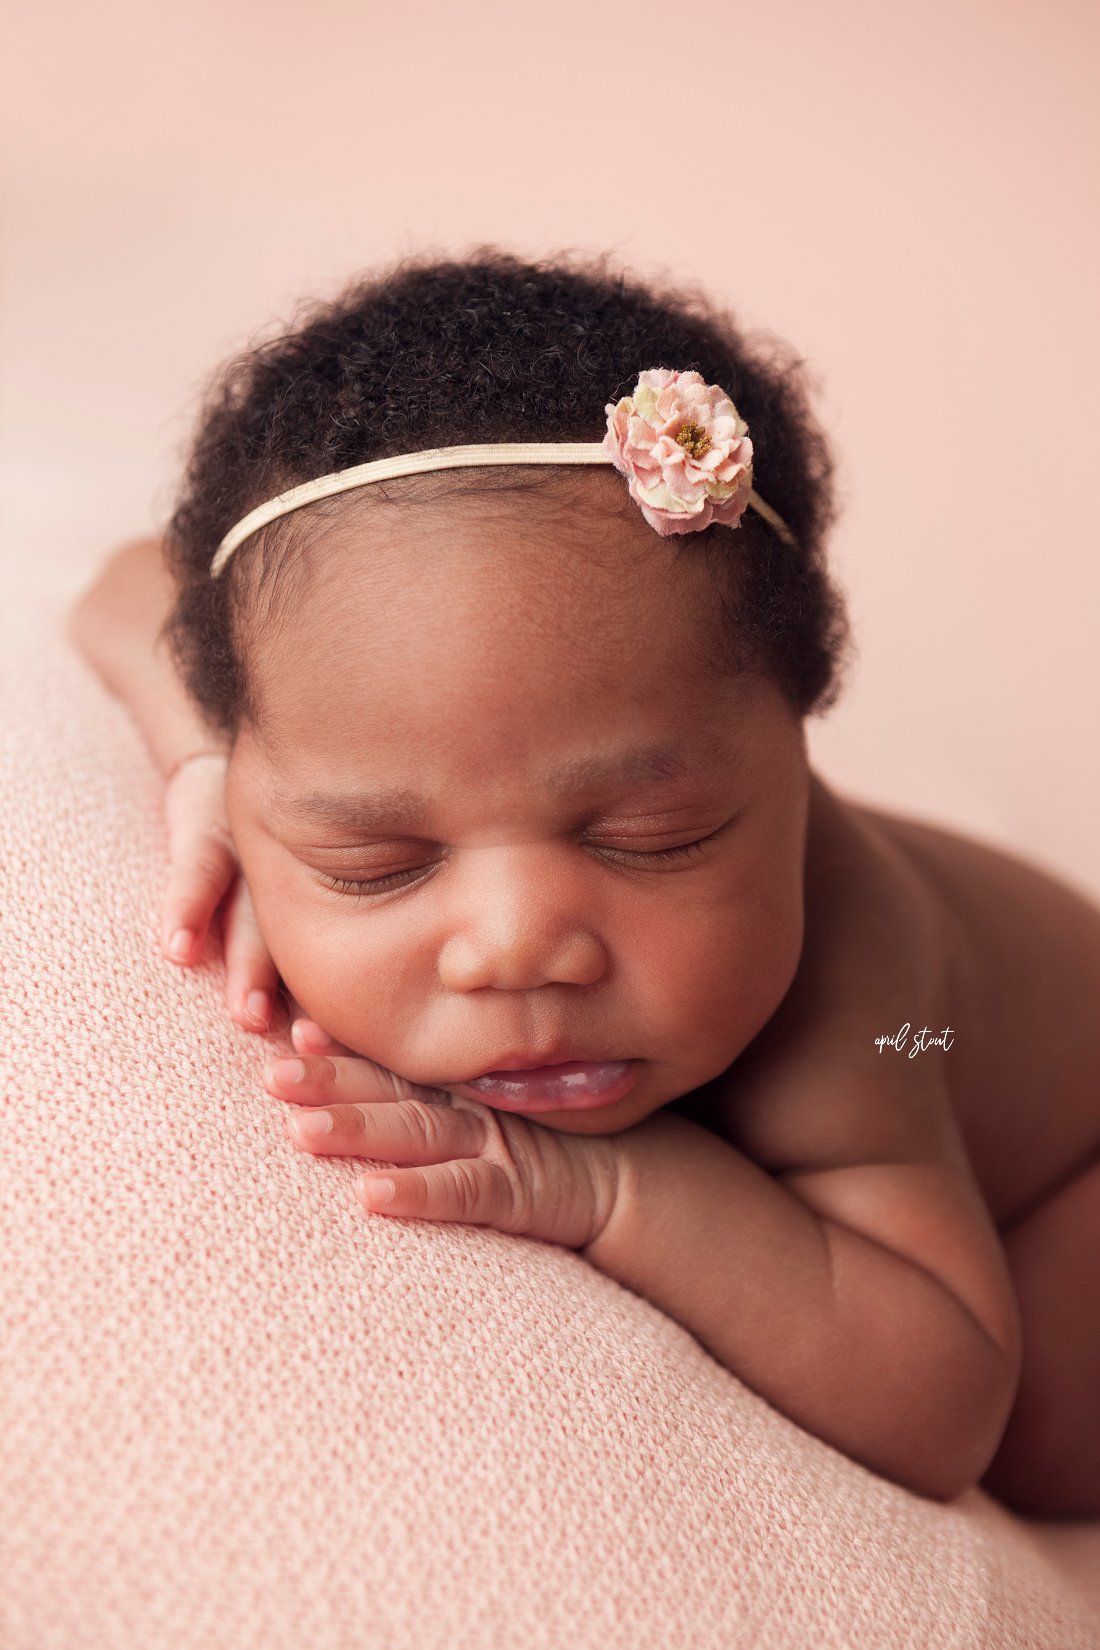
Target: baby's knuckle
209,865
507,1197
208,837
185,905
218,832
514,1149
468,1186
245,925
440,1130
421,1124
400,1087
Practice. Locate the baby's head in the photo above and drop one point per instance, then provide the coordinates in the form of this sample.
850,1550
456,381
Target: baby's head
563,754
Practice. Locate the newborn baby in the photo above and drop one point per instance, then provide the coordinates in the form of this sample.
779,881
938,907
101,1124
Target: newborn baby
526,824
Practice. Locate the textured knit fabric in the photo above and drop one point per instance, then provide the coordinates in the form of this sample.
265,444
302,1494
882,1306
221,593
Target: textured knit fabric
237,1410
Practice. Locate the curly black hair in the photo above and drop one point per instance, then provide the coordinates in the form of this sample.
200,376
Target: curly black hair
439,351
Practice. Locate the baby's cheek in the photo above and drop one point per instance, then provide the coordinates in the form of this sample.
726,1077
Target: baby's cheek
721,981
364,996
310,950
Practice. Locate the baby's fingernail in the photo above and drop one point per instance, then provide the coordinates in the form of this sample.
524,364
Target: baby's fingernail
181,943
259,1007
310,1125
310,1032
285,1071
375,1191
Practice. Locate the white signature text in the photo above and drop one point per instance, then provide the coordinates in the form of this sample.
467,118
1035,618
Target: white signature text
923,1039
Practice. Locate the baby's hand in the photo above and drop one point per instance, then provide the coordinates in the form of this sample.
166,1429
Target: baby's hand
203,870
455,1159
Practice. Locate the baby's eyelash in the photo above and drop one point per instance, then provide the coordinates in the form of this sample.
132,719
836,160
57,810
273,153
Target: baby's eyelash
398,879
376,885
685,850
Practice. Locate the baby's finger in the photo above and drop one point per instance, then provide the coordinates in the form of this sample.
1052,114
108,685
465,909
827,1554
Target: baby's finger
320,1080
251,978
408,1132
470,1190
202,866
310,1038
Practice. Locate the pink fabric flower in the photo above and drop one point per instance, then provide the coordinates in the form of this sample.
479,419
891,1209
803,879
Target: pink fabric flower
685,450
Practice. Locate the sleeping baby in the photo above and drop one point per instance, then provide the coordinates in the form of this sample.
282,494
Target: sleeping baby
496,602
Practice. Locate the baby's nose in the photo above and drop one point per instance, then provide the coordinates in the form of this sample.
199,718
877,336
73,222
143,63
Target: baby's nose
517,923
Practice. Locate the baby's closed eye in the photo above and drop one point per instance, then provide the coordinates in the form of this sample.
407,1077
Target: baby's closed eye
694,850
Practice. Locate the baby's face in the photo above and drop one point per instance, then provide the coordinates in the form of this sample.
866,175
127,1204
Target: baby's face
499,720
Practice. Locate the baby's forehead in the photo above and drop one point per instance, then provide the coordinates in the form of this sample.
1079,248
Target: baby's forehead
561,719
583,511
475,572
489,609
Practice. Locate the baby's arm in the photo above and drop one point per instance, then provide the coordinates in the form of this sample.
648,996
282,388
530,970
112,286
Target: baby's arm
116,624
869,1302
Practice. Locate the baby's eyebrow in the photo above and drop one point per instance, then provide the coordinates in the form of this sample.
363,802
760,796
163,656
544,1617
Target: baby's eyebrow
397,807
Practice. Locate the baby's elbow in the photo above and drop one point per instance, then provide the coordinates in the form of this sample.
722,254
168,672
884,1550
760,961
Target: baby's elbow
975,1388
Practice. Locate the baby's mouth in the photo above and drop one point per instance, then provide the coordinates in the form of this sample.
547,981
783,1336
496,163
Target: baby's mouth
575,1085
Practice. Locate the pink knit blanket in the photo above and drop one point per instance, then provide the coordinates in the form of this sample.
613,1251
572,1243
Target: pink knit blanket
238,1411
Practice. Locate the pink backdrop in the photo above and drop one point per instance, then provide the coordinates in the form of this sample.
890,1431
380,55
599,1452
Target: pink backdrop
906,192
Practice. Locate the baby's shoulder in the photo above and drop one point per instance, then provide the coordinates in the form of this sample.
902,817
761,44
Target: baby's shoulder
1021,952
983,969
820,1084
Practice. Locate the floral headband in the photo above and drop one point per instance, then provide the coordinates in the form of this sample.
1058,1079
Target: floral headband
680,441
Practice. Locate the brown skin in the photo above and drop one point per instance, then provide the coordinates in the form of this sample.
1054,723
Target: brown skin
511,654
751,981
1011,956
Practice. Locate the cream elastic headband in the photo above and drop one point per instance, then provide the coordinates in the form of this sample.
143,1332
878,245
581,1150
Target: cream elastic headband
680,442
